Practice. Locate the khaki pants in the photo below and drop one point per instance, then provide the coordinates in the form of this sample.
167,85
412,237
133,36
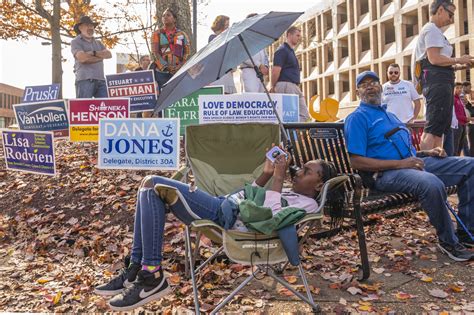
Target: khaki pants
291,88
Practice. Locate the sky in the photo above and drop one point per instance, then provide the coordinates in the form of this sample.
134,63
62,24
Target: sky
29,63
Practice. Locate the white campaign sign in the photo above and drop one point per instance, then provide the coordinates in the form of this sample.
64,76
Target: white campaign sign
247,107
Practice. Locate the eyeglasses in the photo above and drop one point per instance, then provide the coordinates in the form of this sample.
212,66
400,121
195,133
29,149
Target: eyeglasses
393,72
367,84
450,13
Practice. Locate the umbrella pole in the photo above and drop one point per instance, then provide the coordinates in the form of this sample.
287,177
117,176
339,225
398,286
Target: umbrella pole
289,146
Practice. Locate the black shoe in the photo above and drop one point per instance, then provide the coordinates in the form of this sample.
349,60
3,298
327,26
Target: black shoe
119,283
457,252
465,239
148,287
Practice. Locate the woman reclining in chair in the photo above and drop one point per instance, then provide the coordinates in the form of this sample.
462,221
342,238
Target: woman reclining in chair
143,281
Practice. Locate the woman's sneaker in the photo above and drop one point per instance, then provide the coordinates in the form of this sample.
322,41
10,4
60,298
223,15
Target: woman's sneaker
457,252
148,287
125,279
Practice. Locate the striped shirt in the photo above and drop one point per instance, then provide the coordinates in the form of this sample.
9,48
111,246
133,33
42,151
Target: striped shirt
170,49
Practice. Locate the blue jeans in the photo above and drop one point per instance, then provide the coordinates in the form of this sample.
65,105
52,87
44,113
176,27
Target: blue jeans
448,144
150,217
161,78
429,187
91,88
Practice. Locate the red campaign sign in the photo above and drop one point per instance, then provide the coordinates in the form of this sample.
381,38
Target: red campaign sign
89,111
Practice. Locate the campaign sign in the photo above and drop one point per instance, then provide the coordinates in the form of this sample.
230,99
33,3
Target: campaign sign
84,116
29,151
43,116
41,93
143,143
187,109
138,86
247,107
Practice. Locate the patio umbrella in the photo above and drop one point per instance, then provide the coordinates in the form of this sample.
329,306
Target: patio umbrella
228,50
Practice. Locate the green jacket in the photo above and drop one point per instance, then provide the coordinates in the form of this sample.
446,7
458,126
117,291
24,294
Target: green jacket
259,218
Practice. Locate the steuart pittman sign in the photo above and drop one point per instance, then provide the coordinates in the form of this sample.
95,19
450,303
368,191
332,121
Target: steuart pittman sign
143,143
41,93
247,107
43,116
84,116
138,86
29,151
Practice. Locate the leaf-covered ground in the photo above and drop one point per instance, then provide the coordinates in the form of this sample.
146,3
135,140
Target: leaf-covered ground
61,236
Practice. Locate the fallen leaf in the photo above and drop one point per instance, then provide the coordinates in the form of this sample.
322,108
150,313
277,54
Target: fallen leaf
456,288
57,298
291,279
354,290
426,279
438,293
403,296
378,270
342,301
174,279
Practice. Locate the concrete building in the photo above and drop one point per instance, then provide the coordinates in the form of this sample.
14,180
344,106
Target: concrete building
9,95
342,38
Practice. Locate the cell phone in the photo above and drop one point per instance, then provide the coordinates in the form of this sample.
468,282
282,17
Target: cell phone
274,152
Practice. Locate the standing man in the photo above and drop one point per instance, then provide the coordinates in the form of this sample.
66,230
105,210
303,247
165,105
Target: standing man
434,58
89,55
143,63
400,95
250,81
286,71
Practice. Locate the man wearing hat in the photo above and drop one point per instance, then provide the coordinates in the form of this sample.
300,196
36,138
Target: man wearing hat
89,54
380,148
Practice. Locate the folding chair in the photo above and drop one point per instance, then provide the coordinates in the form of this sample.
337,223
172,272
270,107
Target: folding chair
223,157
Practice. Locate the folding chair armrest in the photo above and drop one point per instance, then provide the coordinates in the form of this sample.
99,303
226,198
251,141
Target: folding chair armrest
180,174
205,224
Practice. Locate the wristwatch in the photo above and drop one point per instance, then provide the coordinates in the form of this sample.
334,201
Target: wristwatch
94,53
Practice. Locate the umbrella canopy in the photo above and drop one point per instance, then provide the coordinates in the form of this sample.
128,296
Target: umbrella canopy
225,53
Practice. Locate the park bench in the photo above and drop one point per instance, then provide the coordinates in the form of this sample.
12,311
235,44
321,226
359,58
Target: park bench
326,141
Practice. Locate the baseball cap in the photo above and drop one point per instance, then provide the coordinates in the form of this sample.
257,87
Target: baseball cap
366,74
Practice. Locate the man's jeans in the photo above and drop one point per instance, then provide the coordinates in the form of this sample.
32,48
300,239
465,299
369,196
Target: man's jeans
429,187
150,218
91,88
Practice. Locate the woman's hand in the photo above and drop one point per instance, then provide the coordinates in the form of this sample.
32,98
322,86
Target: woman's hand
268,167
280,165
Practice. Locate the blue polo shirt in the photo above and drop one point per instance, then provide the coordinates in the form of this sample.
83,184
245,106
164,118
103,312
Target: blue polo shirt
285,58
365,129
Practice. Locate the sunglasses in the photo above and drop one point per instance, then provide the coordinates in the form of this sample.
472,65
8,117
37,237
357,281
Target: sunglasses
393,72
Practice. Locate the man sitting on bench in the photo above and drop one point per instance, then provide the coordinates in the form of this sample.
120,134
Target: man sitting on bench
380,147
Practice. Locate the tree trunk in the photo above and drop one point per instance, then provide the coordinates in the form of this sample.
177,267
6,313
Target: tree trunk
57,67
182,10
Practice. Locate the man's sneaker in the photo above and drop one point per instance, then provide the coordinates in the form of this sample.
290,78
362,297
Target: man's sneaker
465,239
457,252
118,284
148,287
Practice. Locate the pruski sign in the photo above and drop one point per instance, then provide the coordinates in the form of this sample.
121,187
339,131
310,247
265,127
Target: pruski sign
44,116
41,93
138,86
84,116
29,151
146,143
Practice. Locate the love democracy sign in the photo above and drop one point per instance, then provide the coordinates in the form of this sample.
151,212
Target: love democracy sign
247,107
43,116
144,143
29,151
84,116
138,86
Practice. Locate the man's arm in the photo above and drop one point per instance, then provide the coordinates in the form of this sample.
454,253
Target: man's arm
87,57
276,70
104,54
363,163
417,108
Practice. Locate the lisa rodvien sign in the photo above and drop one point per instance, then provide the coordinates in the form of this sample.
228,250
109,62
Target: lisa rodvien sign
143,143
247,107
43,116
29,151
84,116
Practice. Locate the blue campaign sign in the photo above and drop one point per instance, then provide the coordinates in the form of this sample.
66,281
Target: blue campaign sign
29,151
144,143
291,109
40,93
138,86
43,116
